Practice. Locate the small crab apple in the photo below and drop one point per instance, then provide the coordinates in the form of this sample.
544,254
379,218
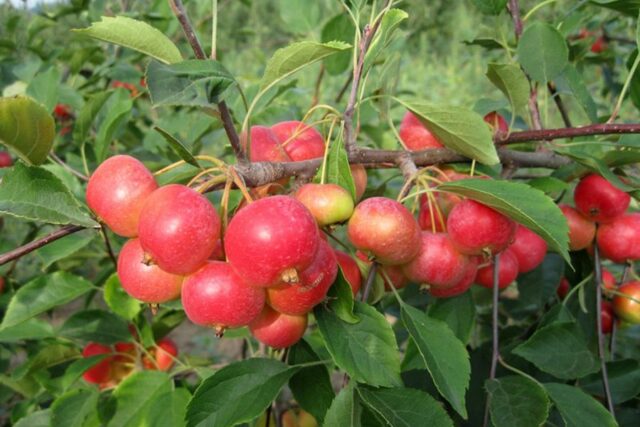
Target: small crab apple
164,353
386,229
430,218
498,124
563,288
477,229
315,281
359,174
5,159
350,270
271,240
278,330
299,418
218,297
619,240
606,313
179,228
599,200
328,203
145,281
599,46
415,135
264,146
529,248
387,273
608,282
438,263
626,304
100,373
116,192
582,231
507,271
300,141
463,285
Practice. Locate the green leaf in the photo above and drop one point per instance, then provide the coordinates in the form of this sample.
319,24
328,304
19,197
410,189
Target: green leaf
513,83
522,203
624,381
96,325
401,407
195,83
35,194
345,410
118,110
136,395
43,293
367,350
459,313
628,7
549,184
237,393
339,28
559,349
72,408
136,35
390,22
517,402
87,114
310,386
296,56
490,7
44,88
118,300
40,418
63,248
341,299
445,356
49,356
77,368
33,329
178,147
542,52
338,170
169,409
27,128
577,408
459,129
578,88
300,16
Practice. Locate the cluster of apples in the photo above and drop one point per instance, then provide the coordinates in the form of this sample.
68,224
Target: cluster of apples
123,358
600,217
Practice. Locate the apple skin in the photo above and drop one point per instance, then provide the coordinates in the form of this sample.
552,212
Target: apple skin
350,270
625,308
582,231
424,217
164,353
386,229
179,228
498,124
328,203
216,296
529,248
299,141
100,373
264,146
599,46
359,174
270,236
476,229
415,136
563,288
507,271
278,330
599,200
117,191
609,282
619,241
606,313
299,418
463,285
5,160
393,272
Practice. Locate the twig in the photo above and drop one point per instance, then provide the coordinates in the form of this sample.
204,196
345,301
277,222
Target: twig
495,354
107,244
409,170
569,132
37,244
67,167
556,97
343,89
316,91
368,284
514,10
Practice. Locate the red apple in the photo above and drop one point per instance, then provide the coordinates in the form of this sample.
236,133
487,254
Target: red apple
619,240
608,282
529,248
350,270
99,373
116,192
328,203
599,200
468,277
359,174
415,136
5,159
430,218
606,313
599,46
278,330
626,305
392,272
164,354
563,288
498,124
265,146
581,230
300,141
507,271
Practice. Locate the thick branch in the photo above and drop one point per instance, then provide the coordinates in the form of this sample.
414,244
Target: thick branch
549,134
36,244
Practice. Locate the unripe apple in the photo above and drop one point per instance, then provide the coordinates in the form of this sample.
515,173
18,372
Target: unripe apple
271,240
507,271
465,282
264,146
626,304
117,191
300,419
350,270
300,141
179,228
278,330
498,124
5,159
359,174
619,240
606,313
315,281
328,203
599,200
438,263
218,297
477,229
529,248
415,135
164,353
99,373
582,231
563,288
386,229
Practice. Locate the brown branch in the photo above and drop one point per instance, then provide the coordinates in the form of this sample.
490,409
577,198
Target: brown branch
561,107
225,115
549,134
107,244
36,244
514,10
495,328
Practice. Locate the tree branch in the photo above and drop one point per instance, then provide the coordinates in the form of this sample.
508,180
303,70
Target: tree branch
556,97
495,328
549,134
36,244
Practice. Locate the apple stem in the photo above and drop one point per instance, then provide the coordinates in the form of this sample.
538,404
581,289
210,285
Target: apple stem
107,244
495,355
369,282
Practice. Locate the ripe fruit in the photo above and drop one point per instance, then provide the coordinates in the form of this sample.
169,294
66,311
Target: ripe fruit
350,270
392,272
5,159
164,354
117,191
179,228
468,277
428,217
264,146
606,313
627,305
128,86
498,124
507,271
608,282
619,240
581,230
62,111
145,282
599,46
476,229
415,135
438,263
328,203
359,174
300,141
299,418
529,248
216,296
278,330
99,373
2,285
271,240
386,229
563,288
597,199
315,281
